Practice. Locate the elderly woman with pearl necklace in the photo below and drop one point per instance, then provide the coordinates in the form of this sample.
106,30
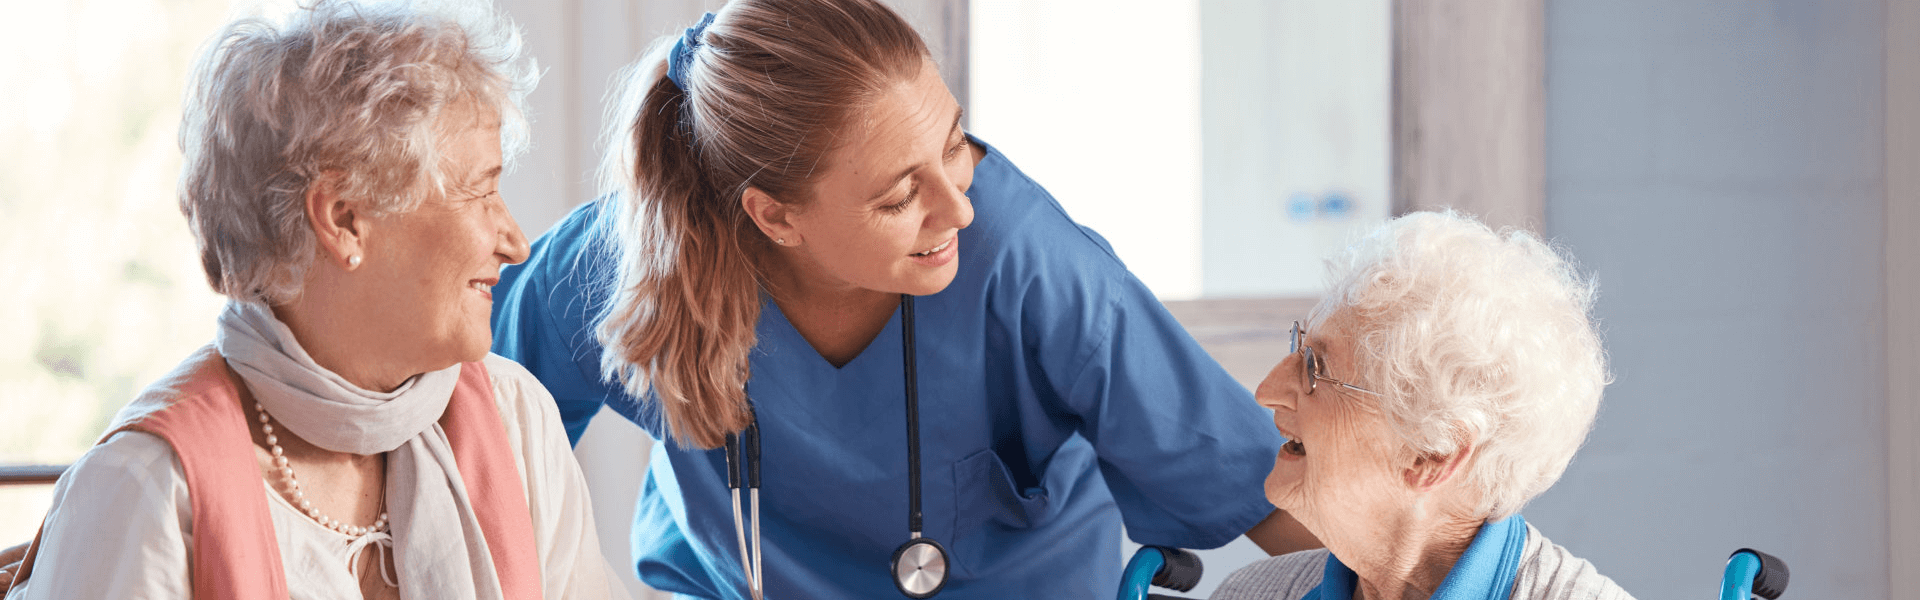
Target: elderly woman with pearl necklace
346,434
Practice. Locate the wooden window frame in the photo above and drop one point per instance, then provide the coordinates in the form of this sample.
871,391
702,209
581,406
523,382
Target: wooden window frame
1469,109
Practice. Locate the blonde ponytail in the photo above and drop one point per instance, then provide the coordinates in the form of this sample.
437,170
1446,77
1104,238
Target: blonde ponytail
774,80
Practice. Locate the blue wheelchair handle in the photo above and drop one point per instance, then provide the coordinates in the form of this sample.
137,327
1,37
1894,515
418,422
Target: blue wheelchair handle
1753,573
1171,568
1138,578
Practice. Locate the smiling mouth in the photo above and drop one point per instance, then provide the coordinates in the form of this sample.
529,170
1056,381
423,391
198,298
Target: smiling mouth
484,287
942,246
1293,447
936,249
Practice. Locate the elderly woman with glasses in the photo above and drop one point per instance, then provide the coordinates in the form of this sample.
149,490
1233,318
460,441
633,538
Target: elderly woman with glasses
346,434
1446,379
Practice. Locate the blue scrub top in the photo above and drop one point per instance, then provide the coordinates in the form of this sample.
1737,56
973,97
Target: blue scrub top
1058,399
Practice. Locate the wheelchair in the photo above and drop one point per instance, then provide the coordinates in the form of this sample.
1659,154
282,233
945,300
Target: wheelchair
1750,573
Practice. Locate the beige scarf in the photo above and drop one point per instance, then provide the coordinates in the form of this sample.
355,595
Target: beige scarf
439,549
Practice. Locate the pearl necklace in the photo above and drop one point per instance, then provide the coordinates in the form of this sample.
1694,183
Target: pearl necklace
299,498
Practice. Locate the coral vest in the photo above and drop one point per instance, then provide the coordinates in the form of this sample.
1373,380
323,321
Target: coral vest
197,409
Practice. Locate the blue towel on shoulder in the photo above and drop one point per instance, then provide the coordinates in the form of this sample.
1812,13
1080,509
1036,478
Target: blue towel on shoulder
1484,572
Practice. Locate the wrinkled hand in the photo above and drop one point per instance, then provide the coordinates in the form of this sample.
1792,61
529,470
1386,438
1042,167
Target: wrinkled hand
10,562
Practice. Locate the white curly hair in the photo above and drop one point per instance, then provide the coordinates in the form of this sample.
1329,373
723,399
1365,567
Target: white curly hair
354,91
1468,334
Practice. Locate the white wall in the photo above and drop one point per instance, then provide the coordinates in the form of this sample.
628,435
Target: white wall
579,44
1719,165
1296,100
1099,101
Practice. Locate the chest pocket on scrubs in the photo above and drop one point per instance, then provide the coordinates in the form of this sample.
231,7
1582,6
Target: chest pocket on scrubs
989,506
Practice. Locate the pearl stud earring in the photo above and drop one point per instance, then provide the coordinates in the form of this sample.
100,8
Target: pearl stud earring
353,262
781,241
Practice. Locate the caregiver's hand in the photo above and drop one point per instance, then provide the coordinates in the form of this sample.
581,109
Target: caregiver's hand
10,562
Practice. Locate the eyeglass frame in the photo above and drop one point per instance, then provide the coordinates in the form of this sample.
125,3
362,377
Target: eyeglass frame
1313,365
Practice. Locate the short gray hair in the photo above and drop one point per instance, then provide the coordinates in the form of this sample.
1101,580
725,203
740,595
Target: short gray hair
354,91
1469,334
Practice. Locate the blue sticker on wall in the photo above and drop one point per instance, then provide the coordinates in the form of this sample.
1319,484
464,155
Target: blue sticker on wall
1336,205
1301,206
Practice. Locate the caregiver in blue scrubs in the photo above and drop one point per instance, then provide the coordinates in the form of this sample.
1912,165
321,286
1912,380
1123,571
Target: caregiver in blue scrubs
790,175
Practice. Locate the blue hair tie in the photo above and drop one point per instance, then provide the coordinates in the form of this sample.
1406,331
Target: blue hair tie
683,52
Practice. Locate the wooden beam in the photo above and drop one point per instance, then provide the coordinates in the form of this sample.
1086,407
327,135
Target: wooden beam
956,45
1469,109
30,474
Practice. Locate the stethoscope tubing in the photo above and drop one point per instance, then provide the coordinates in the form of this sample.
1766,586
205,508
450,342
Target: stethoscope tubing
740,536
743,472
759,584
913,418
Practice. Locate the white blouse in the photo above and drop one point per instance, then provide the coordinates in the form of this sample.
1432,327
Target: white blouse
121,522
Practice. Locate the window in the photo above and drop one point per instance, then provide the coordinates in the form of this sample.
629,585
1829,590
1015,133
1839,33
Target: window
109,294
1222,146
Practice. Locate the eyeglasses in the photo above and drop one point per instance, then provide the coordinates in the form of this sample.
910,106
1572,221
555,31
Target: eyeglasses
1313,366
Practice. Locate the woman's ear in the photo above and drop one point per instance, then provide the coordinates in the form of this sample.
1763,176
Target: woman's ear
1430,471
339,225
773,217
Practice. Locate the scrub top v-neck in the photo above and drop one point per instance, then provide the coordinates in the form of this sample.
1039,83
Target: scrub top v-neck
1058,399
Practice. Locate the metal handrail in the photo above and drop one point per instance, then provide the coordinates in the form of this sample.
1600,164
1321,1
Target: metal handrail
30,474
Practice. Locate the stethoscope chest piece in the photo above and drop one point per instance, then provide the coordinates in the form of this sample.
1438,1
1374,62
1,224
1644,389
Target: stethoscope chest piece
920,568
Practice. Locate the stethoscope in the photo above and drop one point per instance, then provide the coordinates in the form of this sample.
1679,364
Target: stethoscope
919,566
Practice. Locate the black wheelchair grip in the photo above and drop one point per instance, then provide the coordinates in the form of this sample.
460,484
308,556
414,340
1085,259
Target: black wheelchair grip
1772,578
1181,572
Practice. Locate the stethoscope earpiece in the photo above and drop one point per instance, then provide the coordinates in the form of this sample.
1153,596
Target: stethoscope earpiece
920,567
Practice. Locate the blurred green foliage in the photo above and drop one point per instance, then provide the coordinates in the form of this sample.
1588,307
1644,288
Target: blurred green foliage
107,291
